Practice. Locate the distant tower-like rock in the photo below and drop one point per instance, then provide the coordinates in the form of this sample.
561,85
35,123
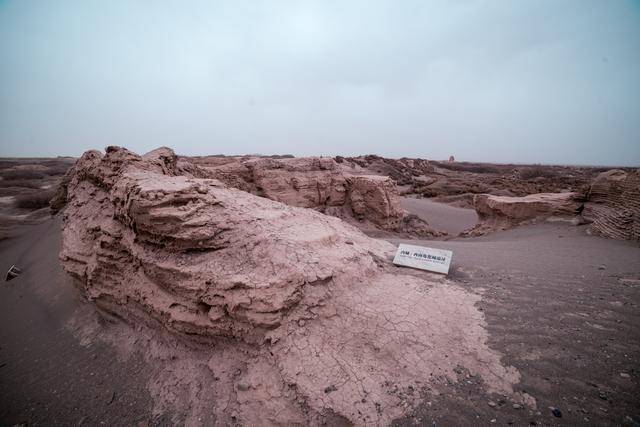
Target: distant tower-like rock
452,159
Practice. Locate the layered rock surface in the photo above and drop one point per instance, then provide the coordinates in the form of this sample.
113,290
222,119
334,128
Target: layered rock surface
500,212
305,310
613,204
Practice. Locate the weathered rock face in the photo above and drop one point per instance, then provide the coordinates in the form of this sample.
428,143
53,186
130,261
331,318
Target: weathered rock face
305,182
613,204
241,261
500,212
319,183
375,198
527,208
323,319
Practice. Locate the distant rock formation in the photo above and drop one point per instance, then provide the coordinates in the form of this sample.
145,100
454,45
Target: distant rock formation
501,212
613,205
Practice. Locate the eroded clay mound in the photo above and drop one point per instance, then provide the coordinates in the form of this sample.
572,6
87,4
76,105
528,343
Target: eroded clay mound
197,256
614,204
501,212
307,316
368,201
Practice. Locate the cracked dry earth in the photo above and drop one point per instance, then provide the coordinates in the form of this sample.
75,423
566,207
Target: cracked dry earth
380,345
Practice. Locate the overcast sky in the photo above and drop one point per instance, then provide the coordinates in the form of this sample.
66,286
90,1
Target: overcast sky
505,81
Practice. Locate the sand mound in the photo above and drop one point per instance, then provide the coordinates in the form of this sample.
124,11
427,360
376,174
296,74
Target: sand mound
304,315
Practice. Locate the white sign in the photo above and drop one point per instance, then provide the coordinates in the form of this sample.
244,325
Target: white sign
437,260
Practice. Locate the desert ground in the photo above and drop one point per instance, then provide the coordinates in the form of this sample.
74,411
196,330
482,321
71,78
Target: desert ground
169,290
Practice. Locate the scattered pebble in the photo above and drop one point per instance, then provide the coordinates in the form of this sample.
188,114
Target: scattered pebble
491,403
517,406
625,375
330,389
602,267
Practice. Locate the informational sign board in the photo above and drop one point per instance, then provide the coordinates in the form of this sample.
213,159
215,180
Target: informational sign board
437,260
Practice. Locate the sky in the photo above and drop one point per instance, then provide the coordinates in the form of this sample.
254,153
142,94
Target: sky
531,81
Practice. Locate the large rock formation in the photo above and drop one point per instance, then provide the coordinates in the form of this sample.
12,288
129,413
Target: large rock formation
369,201
613,204
500,212
303,315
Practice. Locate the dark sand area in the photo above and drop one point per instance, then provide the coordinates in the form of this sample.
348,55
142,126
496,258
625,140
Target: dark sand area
47,375
563,307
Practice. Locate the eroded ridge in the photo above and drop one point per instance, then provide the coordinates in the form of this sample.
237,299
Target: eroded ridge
371,202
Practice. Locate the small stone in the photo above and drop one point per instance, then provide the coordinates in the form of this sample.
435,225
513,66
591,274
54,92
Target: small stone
242,386
491,403
301,322
349,242
602,267
517,406
330,389
625,375
556,412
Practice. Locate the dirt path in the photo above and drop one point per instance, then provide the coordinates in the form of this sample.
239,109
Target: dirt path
442,217
46,376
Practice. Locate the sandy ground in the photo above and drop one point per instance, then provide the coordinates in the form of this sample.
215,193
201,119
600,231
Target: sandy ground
562,306
47,376
442,217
